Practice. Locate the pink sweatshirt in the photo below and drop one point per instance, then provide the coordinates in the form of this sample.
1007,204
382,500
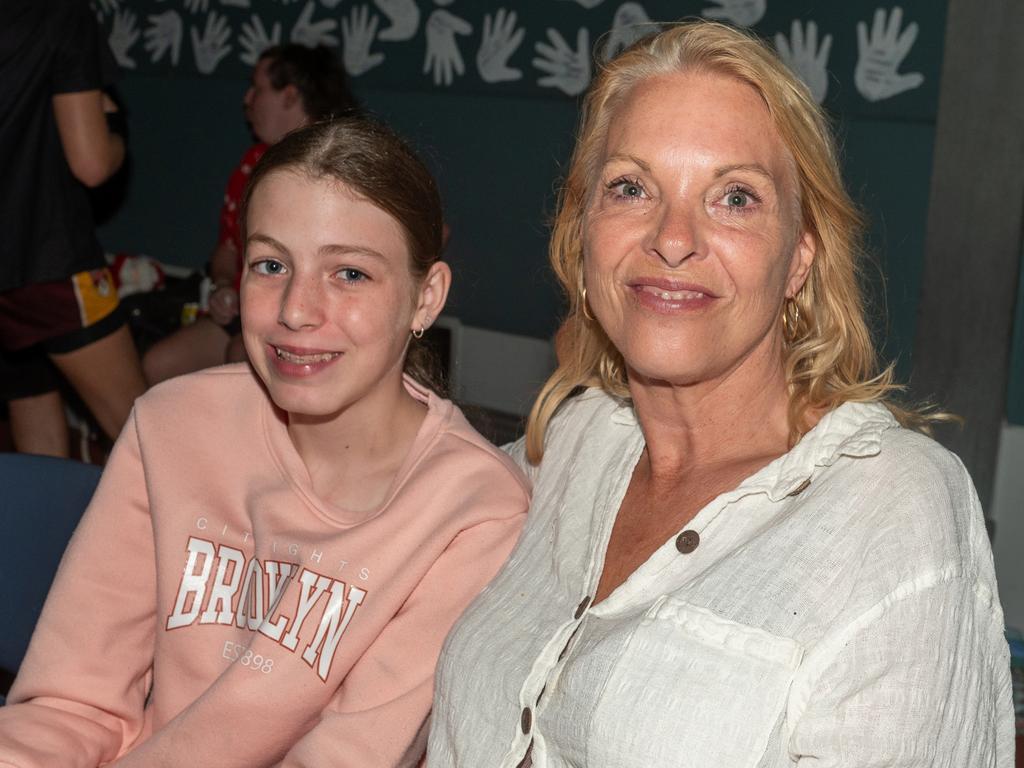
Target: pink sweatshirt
212,611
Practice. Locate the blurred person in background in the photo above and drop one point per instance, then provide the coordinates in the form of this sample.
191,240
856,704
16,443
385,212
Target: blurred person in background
58,303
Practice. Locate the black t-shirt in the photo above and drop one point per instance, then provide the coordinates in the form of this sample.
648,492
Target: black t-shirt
47,47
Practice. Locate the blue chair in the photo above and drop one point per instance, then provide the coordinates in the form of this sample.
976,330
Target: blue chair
41,502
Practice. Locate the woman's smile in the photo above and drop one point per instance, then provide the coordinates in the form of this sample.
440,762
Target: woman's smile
663,295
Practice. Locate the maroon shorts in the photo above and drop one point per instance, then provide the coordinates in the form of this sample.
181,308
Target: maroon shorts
52,318
63,315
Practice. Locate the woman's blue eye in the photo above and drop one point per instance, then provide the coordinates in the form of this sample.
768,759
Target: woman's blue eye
625,188
738,198
268,267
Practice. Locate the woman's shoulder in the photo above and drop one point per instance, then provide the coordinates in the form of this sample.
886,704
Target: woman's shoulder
916,464
586,411
915,502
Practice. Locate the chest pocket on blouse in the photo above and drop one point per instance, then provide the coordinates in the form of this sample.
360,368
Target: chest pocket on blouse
692,689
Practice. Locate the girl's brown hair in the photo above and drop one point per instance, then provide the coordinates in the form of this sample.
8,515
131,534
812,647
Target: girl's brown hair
373,162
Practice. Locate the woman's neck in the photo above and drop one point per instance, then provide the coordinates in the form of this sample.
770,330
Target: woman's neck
739,416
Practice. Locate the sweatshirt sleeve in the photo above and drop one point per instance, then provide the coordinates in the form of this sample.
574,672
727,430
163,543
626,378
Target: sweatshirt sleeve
78,699
379,716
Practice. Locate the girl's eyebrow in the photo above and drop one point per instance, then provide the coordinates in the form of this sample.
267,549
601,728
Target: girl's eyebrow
345,250
331,249
277,245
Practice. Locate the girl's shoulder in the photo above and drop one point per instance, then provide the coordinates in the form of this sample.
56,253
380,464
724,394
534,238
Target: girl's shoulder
208,396
463,449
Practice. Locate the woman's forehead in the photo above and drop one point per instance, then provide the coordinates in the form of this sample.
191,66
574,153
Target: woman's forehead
704,111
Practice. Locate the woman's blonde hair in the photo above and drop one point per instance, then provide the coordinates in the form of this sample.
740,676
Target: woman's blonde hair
830,358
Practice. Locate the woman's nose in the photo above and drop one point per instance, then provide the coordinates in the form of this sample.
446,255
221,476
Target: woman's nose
301,304
675,235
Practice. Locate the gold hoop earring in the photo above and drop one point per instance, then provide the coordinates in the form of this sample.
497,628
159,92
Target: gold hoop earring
790,324
586,314
418,333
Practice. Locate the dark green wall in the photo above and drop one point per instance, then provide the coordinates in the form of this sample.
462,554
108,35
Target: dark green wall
498,149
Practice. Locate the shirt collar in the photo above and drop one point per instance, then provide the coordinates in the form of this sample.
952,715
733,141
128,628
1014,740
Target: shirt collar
852,429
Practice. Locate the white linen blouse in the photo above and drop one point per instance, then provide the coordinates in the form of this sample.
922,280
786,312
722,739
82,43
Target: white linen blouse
838,608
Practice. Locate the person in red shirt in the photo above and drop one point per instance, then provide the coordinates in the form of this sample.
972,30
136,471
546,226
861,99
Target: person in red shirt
291,86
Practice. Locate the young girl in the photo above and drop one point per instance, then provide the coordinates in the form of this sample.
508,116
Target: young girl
291,86
271,561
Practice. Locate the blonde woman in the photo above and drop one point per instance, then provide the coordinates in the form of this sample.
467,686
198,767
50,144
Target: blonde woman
740,551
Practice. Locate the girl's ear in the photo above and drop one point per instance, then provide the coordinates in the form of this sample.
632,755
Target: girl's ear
433,293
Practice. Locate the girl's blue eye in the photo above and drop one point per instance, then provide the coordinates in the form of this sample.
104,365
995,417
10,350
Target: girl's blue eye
268,267
350,275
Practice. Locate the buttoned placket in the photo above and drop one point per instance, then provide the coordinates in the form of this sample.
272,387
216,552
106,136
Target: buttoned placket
547,668
685,553
677,561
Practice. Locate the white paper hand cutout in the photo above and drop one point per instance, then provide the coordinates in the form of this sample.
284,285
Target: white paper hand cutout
357,35
255,40
404,17
197,6
879,57
802,55
104,7
568,70
500,40
630,23
443,56
164,34
745,13
313,33
213,46
236,3
123,35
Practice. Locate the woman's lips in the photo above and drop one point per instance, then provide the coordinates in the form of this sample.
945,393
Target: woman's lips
661,293
671,296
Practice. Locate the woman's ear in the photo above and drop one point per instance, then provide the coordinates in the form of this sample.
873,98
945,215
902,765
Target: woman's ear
800,267
433,293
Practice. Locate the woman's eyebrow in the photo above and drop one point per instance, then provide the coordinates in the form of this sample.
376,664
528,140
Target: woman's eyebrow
752,167
627,158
